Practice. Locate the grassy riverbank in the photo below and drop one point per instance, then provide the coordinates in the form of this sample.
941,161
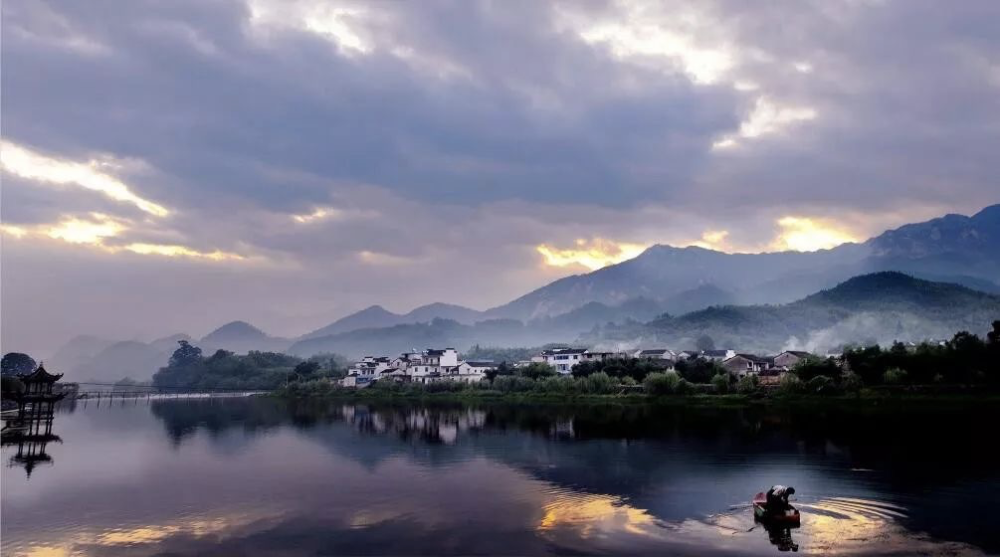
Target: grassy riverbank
764,396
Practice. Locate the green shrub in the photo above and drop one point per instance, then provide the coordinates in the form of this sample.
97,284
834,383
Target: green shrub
721,383
659,384
791,384
820,385
851,383
629,381
748,384
894,376
597,384
444,387
558,385
683,387
812,366
536,370
513,384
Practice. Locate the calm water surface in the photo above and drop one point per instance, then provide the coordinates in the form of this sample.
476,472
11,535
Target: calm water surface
267,477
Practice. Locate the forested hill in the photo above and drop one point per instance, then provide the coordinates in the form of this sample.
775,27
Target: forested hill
896,291
879,307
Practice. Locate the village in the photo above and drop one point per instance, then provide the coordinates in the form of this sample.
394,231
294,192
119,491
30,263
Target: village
434,365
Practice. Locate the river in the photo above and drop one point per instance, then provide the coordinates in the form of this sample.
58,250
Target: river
269,477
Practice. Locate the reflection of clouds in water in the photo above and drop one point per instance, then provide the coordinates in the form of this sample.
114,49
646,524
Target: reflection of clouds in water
593,515
101,542
353,479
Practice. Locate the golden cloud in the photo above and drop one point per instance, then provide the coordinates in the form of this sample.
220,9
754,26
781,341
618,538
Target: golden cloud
95,229
809,234
593,254
15,231
713,239
79,231
37,167
170,250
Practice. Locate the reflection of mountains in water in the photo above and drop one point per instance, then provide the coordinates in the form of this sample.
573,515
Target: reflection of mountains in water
668,460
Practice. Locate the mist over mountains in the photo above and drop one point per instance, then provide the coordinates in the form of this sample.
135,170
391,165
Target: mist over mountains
667,295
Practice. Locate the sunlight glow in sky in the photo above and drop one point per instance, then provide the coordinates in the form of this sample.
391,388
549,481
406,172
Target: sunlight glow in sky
12,230
34,166
79,231
766,118
807,234
592,254
704,65
713,239
98,227
180,251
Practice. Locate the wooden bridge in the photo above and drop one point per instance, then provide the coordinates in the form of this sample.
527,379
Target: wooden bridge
112,391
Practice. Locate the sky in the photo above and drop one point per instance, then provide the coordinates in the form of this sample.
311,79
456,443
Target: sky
171,166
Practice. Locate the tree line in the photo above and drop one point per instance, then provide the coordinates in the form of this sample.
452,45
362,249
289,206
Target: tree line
188,368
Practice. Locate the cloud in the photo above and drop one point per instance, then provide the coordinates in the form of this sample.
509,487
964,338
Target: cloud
765,119
440,136
101,231
179,251
713,239
91,231
807,234
13,230
317,214
592,254
34,166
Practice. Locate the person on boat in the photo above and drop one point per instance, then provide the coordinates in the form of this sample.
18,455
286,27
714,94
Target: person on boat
777,498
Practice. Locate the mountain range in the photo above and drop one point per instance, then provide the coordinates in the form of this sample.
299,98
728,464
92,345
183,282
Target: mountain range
697,284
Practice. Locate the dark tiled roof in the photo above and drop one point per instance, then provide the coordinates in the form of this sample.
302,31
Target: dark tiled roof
557,351
482,363
656,351
40,375
752,358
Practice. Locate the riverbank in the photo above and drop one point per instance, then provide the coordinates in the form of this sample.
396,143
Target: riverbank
872,396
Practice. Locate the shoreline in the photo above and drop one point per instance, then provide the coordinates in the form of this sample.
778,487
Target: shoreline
865,398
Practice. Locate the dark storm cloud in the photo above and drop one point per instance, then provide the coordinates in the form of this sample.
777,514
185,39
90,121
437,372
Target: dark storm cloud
209,114
438,134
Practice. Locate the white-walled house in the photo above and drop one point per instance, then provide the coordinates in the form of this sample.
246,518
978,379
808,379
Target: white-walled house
365,371
789,358
444,358
562,359
742,365
655,354
473,371
565,359
428,366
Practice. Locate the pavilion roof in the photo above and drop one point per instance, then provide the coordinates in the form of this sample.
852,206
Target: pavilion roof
40,375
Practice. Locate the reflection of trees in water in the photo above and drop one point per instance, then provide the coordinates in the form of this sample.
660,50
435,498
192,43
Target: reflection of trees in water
863,437
910,449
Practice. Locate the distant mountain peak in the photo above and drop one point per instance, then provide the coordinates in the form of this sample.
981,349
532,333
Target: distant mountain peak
235,330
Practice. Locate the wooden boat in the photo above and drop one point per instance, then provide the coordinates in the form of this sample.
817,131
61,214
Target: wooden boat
790,517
